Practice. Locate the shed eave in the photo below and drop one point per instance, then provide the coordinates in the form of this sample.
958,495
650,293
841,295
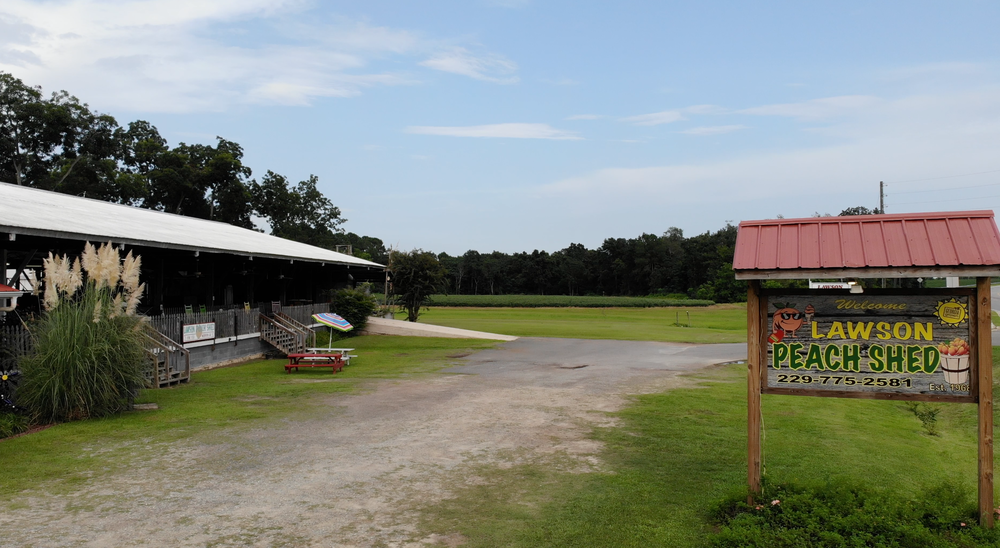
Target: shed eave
886,272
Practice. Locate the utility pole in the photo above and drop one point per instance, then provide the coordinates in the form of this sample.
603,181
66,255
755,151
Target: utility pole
881,197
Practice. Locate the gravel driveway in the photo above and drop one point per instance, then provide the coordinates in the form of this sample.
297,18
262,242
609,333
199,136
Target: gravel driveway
356,472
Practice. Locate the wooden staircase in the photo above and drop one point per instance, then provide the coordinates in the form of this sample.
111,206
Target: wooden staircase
281,336
171,361
308,335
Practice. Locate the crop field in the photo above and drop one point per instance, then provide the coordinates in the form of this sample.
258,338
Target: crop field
721,323
549,301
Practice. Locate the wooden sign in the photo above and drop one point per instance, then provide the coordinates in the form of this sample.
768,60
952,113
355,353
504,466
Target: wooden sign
884,345
194,332
922,345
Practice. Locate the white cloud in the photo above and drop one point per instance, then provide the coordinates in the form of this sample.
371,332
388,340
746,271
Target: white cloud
912,137
488,68
713,130
510,131
817,109
671,116
705,109
655,118
193,55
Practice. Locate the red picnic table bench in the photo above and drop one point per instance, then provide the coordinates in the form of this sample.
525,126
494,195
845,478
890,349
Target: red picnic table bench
295,361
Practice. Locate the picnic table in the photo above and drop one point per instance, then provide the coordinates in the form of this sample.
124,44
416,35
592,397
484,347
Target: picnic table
334,360
345,353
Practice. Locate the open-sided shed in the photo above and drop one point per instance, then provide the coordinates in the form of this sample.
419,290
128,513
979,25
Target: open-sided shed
185,261
922,344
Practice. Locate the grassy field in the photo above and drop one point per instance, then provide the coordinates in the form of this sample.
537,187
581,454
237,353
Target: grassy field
549,301
667,461
713,324
674,455
245,396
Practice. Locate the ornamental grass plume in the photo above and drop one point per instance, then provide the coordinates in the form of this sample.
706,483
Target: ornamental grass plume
88,358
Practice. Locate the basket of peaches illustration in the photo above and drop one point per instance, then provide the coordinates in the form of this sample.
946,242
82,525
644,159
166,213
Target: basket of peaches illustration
955,361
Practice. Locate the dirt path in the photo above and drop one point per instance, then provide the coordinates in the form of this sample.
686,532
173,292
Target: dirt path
357,472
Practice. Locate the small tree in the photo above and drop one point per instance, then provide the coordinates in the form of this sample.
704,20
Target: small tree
354,305
416,275
88,358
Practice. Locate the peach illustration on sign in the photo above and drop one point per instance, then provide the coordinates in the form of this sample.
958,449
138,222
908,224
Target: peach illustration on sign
955,355
785,322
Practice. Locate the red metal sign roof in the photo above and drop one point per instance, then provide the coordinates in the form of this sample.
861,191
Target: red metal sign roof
9,289
956,238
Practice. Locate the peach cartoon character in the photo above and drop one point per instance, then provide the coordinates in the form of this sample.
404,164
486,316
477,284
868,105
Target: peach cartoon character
786,321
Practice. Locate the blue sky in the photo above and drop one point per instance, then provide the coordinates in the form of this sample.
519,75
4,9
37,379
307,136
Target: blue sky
515,125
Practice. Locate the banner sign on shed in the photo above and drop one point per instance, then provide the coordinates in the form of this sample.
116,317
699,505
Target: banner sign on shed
906,344
194,332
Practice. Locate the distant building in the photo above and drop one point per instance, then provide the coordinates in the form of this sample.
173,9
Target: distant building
185,261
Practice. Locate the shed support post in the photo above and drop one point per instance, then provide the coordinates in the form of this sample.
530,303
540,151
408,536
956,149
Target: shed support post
984,367
754,353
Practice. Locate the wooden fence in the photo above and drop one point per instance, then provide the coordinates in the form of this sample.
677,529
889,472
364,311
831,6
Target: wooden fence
228,323
303,313
15,341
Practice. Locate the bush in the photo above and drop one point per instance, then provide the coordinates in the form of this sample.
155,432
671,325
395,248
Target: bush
354,305
88,358
12,424
847,515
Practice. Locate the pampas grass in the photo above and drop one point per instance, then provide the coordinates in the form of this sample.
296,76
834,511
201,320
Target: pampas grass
88,358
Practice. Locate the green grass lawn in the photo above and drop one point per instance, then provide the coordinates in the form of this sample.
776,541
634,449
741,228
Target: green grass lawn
674,455
713,324
244,396
536,301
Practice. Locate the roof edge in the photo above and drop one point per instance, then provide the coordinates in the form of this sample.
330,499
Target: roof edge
979,213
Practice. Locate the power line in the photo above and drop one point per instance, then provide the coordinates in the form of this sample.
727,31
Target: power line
945,189
945,177
951,200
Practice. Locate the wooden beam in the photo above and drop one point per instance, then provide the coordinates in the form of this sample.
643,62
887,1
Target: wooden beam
16,278
984,367
754,338
889,272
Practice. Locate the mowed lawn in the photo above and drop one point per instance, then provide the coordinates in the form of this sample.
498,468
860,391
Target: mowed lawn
672,456
721,323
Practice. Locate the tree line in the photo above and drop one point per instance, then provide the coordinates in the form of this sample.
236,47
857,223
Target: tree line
670,264
59,144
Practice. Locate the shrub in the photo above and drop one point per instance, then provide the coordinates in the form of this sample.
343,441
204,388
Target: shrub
847,515
88,358
12,424
354,305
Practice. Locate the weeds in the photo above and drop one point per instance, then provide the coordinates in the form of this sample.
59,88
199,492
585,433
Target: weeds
927,414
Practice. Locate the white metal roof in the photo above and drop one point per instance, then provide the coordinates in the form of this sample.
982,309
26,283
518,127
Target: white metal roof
31,211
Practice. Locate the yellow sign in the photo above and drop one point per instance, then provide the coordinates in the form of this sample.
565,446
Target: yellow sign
952,312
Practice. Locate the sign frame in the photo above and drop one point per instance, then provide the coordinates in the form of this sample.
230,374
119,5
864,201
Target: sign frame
980,352
769,296
195,338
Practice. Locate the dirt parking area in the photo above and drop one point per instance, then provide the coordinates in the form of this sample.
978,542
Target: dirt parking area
357,471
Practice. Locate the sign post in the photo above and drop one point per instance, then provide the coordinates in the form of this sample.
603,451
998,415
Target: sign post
904,345
984,359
